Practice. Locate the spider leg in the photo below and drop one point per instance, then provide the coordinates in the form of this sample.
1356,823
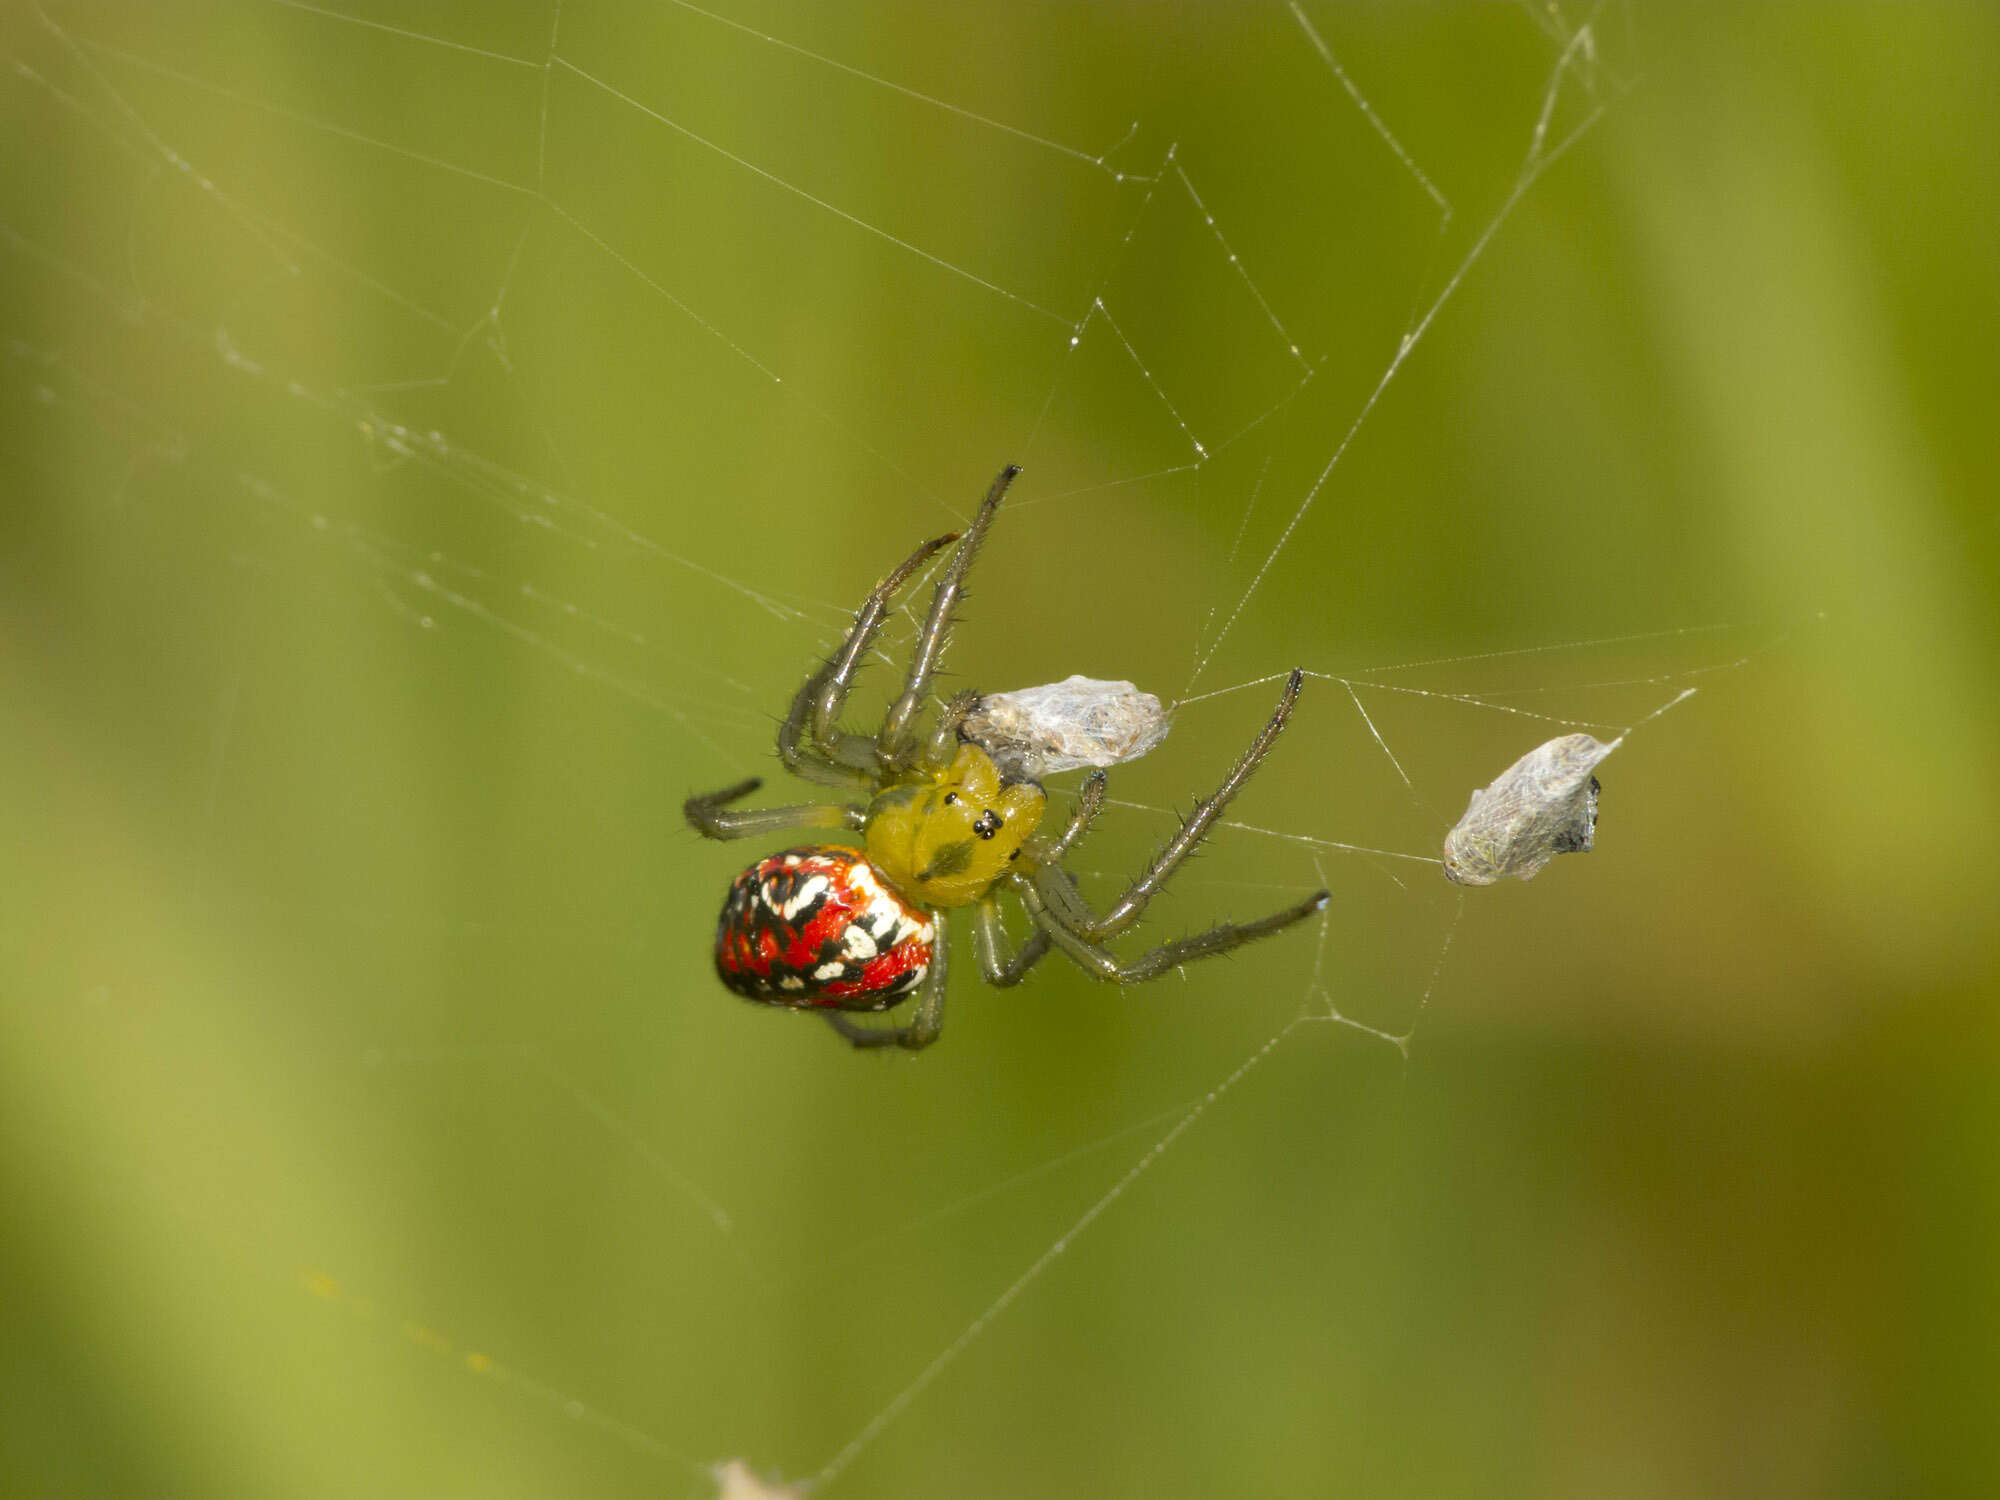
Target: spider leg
1128,907
942,746
1105,964
811,764
809,741
990,939
1088,802
707,813
893,742
929,1020
1058,892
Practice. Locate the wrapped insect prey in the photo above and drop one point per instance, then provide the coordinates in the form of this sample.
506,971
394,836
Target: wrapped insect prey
1059,726
1543,805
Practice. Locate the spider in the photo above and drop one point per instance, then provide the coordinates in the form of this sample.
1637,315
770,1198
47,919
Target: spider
835,929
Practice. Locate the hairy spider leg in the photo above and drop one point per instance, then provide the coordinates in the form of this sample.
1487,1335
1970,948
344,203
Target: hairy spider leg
942,748
924,1026
894,741
1102,962
1050,896
809,741
1052,851
1195,829
990,939
707,813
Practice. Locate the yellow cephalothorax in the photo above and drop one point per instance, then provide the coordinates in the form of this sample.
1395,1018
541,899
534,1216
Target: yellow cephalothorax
944,841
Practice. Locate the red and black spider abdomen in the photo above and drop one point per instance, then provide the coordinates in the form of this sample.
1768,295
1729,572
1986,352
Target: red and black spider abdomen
817,927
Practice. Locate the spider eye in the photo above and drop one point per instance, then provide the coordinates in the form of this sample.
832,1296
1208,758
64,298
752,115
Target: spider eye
988,824
951,799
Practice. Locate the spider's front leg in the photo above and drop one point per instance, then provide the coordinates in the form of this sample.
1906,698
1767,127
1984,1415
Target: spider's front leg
1059,911
1052,851
895,742
1105,964
709,815
1128,907
810,742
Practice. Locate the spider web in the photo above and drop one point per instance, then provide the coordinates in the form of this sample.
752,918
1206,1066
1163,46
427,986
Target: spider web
459,427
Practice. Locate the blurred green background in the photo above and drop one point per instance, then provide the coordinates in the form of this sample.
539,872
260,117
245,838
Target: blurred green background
431,454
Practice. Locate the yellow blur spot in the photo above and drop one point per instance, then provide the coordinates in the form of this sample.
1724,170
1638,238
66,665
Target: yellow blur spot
322,1285
479,1364
428,1338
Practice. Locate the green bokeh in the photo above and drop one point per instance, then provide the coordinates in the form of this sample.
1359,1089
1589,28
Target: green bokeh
369,1121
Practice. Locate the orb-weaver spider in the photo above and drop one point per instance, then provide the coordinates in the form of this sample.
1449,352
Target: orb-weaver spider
835,929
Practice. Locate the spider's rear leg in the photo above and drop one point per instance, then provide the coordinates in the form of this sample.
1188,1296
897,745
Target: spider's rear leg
923,1028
